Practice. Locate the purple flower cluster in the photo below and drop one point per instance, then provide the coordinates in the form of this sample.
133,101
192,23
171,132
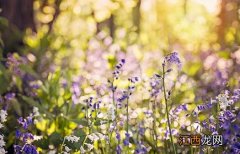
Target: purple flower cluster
118,68
76,92
226,121
173,58
26,149
126,140
141,149
25,123
13,64
155,84
9,96
25,137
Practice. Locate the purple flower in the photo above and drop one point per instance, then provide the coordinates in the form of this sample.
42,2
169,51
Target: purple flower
141,130
27,136
123,97
29,149
18,134
9,96
118,137
118,67
141,149
13,63
25,122
236,95
126,140
118,149
173,58
76,92
226,125
17,149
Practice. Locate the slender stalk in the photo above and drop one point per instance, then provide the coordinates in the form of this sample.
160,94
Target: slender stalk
115,113
217,122
154,123
62,145
127,122
128,115
166,103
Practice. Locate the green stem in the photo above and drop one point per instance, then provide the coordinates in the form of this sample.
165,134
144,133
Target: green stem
128,116
166,103
115,105
154,123
217,122
62,145
127,123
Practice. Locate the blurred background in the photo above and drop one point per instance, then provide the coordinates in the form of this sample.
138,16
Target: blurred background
65,34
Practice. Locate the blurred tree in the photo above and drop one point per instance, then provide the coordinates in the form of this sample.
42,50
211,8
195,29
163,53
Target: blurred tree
228,20
20,16
137,16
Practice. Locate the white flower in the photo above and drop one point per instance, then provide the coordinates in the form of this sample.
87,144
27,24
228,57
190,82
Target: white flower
36,138
72,138
2,143
67,149
35,112
2,151
3,115
101,136
93,137
89,146
1,125
224,102
197,127
82,149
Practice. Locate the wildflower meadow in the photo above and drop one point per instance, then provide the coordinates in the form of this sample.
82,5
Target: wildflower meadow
119,77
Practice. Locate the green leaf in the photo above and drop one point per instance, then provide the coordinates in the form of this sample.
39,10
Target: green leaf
56,138
79,121
98,122
33,103
192,69
29,70
43,143
16,107
224,54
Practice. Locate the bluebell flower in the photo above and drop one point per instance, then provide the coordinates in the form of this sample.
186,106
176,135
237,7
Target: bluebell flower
141,130
25,122
18,134
155,84
118,67
10,96
236,148
236,128
236,95
29,149
123,97
126,140
118,137
17,149
119,149
173,58
141,149
226,124
76,92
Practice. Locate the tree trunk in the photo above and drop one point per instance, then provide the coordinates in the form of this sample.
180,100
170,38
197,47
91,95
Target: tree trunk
20,16
228,17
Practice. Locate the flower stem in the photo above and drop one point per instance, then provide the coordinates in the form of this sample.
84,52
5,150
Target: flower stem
166,103
62,145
